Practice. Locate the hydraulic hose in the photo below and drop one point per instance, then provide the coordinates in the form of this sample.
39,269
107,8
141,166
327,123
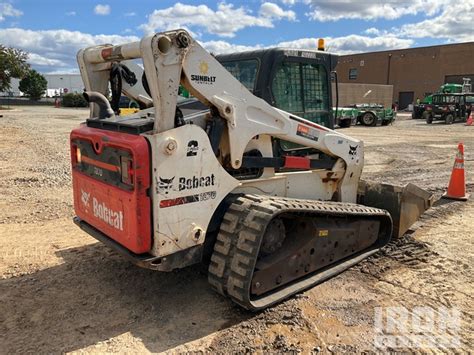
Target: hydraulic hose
105,110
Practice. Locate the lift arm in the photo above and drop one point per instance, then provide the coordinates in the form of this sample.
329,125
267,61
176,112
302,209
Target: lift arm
173,57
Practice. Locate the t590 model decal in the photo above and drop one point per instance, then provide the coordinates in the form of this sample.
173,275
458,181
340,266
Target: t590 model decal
204,196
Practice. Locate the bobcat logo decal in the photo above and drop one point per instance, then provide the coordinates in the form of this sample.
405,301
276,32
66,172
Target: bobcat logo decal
353,151
164,185
85,197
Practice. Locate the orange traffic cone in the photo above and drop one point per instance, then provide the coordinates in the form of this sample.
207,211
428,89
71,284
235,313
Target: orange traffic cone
457,183
470,120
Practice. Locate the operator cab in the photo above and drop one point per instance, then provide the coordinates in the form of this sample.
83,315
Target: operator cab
296,81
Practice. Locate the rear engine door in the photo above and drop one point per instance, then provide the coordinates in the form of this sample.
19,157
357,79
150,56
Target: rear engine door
111,178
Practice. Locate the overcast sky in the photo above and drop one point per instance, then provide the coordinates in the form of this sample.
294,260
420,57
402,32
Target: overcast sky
53,31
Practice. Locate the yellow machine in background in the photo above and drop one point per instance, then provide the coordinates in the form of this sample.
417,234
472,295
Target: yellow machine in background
128,111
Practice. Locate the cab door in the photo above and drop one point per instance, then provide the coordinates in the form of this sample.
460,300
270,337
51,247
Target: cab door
301,86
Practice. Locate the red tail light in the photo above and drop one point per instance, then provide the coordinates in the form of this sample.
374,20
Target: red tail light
76,155
126,168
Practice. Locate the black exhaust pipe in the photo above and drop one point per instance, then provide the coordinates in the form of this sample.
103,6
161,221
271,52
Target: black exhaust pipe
105,110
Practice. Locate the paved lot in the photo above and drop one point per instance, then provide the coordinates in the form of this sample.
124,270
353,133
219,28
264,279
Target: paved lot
60,291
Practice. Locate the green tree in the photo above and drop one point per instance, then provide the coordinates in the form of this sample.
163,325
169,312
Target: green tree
12,65
33,85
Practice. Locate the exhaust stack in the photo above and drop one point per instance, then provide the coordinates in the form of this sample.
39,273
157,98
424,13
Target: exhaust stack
105,110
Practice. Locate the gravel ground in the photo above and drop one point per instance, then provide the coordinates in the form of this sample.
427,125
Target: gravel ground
60,291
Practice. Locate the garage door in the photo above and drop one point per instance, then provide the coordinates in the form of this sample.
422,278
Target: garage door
405,98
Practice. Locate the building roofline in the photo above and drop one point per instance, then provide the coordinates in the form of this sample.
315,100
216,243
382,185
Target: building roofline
406,49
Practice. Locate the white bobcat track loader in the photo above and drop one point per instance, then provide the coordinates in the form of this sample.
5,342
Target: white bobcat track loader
267,197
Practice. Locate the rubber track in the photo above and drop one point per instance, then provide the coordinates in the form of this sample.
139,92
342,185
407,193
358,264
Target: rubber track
241,232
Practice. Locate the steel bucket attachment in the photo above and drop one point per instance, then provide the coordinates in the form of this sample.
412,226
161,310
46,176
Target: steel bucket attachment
405,204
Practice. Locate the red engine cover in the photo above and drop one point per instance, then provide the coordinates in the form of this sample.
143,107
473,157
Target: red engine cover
121,211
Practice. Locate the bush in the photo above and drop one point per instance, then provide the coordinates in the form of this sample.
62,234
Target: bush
74,100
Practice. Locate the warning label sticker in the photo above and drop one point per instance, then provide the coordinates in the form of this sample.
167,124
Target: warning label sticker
307,132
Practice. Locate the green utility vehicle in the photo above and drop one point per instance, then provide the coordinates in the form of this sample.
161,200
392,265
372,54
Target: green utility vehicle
428,100
449,108
365,114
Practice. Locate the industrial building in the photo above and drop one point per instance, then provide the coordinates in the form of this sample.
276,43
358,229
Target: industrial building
413,72
58,84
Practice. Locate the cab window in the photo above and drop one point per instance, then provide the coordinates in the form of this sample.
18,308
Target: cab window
287,88
302,89
443,99
244,71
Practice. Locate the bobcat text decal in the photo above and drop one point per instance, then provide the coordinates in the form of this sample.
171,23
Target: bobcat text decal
165,185
109,216
196,182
